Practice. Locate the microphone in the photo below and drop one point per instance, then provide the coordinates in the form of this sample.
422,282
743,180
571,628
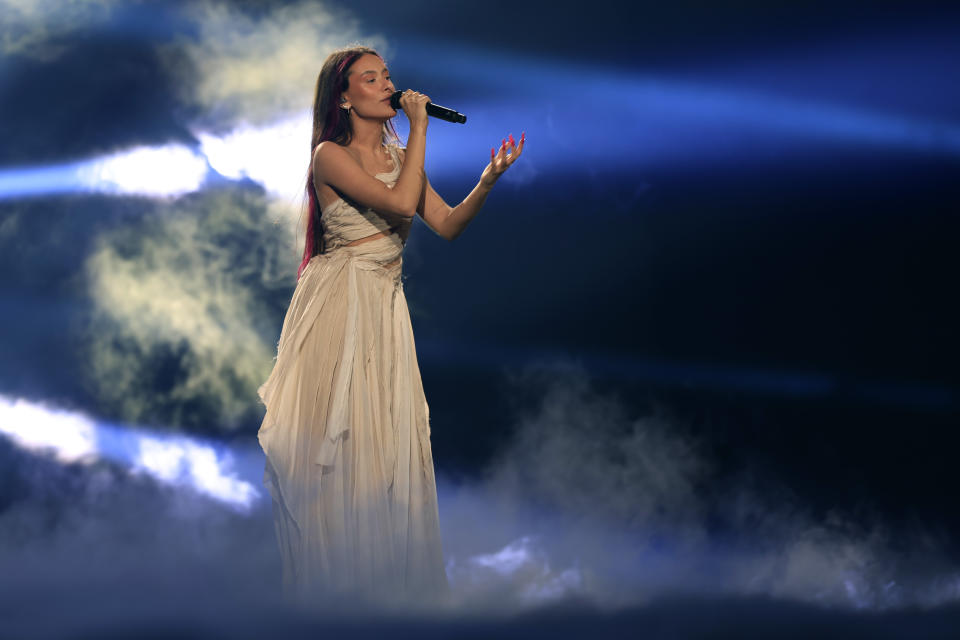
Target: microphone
434,110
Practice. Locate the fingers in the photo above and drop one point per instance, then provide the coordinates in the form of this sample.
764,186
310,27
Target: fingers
501,158
508,151
410,94
414,106
510,146
515,148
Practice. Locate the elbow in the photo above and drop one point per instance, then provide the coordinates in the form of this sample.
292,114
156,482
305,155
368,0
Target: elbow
405,209
401,212
449,231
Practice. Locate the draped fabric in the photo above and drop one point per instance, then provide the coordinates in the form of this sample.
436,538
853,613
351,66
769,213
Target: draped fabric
346,431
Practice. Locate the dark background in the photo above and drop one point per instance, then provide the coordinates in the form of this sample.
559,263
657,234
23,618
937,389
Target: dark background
778,285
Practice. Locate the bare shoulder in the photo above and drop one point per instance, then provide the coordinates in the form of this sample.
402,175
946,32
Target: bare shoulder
327,152
338,172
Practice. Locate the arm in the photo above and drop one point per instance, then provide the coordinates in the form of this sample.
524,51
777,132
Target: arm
449,222
334,166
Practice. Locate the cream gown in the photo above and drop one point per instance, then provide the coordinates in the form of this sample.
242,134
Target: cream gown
346,432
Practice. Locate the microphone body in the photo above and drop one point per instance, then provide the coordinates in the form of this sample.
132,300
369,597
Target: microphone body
434,110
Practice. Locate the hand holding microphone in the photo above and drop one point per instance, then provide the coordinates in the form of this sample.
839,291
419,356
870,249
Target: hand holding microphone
413,104
434,110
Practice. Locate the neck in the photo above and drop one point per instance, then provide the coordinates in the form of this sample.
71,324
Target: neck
367,134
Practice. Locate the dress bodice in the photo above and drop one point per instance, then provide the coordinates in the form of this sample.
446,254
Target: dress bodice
345,220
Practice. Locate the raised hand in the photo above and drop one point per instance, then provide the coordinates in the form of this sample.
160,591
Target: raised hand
501,161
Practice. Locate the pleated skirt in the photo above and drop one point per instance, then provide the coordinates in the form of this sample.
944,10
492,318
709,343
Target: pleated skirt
346,436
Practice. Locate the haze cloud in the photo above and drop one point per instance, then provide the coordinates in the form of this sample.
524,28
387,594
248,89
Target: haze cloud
255,67
552,521
183,310
226,64
632,506
32,28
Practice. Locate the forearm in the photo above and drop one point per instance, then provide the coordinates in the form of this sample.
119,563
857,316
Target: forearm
460,216
410,181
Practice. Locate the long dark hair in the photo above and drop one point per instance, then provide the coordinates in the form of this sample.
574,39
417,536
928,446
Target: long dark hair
330,122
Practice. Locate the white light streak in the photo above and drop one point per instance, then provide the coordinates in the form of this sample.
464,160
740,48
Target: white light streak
276,156
178,460
70,436
162,171
171,170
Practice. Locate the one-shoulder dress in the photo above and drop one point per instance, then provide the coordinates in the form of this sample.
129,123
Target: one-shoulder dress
346,431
